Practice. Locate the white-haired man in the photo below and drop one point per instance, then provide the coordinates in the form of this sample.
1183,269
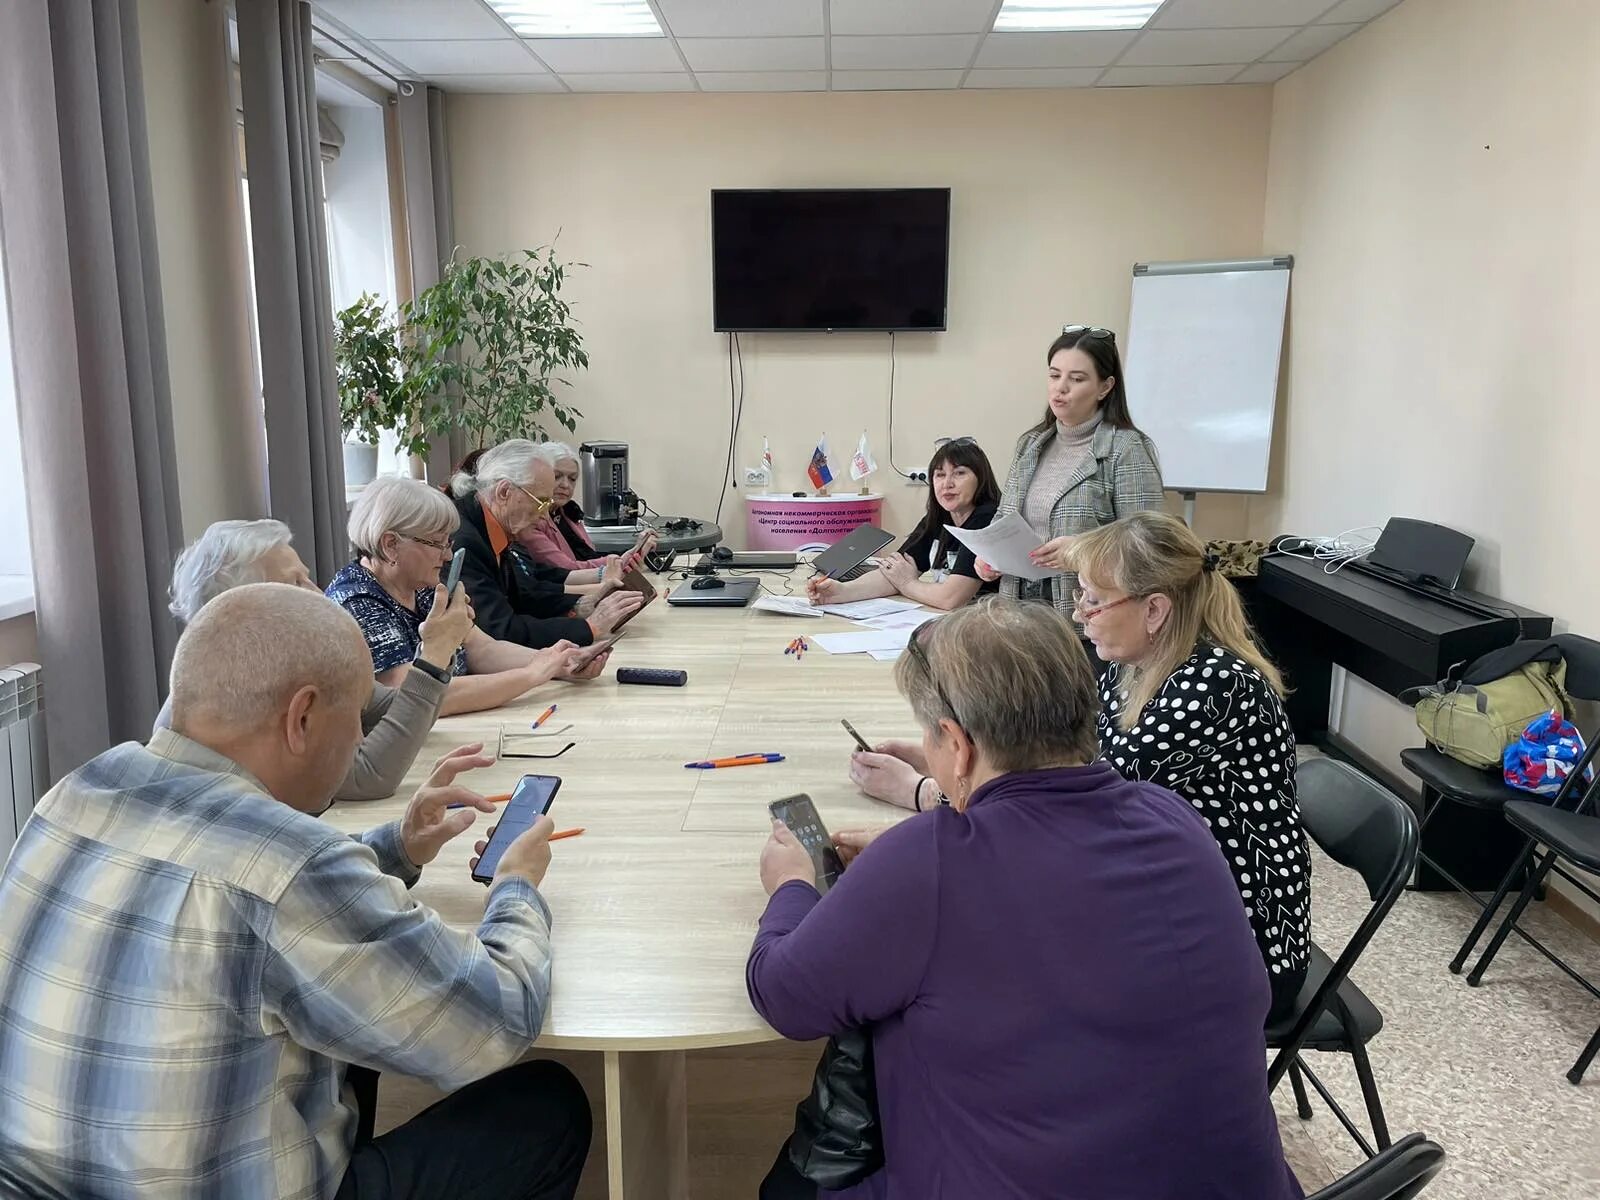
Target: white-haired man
192,958
397,719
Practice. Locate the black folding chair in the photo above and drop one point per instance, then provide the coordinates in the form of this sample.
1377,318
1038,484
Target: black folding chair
1554,835
1445,779
1361,825
1399,1173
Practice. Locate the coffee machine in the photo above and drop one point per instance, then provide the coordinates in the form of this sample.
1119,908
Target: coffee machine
603,479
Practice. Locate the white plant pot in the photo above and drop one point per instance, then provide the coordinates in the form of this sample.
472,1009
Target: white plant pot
360,464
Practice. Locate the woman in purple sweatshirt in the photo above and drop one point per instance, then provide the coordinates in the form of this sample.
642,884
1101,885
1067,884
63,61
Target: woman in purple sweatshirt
1064,994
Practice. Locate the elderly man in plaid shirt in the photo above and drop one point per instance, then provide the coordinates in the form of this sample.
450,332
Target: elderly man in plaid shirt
189,959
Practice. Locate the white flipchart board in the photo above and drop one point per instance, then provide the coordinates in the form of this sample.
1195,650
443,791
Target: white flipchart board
1202,363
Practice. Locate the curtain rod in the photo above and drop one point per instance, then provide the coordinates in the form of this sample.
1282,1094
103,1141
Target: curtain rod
405,87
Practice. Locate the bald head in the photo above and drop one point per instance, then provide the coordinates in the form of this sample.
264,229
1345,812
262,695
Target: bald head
247,652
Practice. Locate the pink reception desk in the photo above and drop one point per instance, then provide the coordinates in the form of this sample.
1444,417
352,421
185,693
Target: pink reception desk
785,522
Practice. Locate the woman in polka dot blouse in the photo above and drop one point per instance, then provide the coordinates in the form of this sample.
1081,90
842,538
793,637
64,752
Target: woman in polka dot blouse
1191,703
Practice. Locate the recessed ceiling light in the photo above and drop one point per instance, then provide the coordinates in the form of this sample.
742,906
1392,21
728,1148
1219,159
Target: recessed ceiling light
1018,15
579,18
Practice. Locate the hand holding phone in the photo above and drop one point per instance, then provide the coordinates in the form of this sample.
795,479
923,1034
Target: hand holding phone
800,816
851,730
520,839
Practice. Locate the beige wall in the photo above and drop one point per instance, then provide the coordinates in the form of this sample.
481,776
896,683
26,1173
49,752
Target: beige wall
1055,196
1435,176
200,238
19,641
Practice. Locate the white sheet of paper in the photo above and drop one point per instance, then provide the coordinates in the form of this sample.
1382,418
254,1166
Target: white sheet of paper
884,655
861,610
789,606
862,643
1004,545
909,619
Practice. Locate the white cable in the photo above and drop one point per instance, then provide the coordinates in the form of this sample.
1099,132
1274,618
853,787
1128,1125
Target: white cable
1336,551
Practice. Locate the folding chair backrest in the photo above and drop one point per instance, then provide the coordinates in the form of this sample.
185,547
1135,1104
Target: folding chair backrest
1359,823
1583,666
1398,1173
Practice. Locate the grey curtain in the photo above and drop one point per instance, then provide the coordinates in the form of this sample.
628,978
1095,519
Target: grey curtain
430,225
294,308
89,343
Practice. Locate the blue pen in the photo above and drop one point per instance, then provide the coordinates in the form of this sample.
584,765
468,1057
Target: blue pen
739,760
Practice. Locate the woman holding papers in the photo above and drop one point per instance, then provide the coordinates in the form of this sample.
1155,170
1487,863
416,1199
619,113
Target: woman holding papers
962,491
1082,466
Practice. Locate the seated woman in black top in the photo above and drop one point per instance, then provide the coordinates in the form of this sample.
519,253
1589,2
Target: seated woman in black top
1191,703
962,491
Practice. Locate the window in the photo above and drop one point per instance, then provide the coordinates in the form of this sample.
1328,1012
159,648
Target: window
16,555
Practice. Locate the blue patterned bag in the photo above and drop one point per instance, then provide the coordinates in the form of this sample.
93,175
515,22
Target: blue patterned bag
1541,759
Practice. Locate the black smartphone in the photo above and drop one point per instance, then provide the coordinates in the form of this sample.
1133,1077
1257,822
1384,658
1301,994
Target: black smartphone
454,577
800,815
596,649
529,801
851,730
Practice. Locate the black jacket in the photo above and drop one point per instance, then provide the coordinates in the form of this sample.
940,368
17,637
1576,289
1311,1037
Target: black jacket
515,598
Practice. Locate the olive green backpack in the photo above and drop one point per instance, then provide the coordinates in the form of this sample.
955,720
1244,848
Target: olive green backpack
1475,715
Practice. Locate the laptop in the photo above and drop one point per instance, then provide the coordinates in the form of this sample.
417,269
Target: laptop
844,556
735,593
752,560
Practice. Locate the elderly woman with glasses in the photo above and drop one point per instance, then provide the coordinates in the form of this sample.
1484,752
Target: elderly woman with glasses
1062,993
1191,703
1082,466
517,599
401,531
962,492
396,720
559,538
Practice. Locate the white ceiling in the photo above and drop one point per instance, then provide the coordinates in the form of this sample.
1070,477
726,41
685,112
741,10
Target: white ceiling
837,45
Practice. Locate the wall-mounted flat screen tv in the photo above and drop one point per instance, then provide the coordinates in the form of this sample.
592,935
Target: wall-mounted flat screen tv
862,259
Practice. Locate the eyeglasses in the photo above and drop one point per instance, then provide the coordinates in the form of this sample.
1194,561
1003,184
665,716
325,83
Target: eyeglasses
441,547
540,507
1093,331
963,440
1085,615
921,655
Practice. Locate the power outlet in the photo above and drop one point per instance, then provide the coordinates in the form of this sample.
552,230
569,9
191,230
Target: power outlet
916,478
756,477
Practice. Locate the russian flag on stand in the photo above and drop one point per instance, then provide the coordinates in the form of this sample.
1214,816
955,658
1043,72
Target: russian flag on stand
818,471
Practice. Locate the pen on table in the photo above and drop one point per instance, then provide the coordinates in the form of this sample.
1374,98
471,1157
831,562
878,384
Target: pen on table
497,798
544,716
740,760
564,833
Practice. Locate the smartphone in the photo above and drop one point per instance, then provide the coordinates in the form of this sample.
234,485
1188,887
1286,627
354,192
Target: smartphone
635,581
596,649
851,730
529,801
454,577
800,815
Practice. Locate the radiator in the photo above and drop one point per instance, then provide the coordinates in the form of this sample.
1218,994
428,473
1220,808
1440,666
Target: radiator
24,770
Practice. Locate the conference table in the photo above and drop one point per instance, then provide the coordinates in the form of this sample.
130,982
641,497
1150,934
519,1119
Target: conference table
655,905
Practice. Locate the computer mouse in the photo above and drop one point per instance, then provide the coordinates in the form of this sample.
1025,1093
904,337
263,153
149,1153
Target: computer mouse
722,554
707,582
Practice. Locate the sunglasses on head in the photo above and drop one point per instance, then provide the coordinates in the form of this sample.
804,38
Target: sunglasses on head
914,646
1093,331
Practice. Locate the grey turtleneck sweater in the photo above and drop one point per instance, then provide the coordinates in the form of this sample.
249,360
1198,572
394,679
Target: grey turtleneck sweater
1057,461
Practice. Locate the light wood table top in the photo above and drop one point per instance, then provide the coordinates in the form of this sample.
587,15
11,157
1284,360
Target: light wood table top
656,905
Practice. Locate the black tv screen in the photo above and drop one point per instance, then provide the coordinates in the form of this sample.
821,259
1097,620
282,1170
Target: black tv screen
873,259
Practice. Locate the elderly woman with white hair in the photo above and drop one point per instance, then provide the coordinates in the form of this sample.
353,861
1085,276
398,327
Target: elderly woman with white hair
401,531
517,598
558,539
396,719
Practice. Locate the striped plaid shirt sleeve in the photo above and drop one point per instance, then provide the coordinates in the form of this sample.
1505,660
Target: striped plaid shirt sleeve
357,970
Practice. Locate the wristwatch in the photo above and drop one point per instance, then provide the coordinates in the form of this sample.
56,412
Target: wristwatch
433,672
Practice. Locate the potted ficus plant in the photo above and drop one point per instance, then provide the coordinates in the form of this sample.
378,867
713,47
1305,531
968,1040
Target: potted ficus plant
484,348
373,398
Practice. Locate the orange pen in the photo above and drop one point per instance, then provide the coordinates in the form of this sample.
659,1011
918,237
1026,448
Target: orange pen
564,833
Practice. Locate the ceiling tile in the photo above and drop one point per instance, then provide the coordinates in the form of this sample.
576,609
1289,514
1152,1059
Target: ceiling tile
1041,77
1237,14
454,57
607,55
894,81
1185,48
742,18
1166,76
497,83
754,54
1310,42
376,20
763,81
1265,72
918,52
649,81
850,17
1096,48
1358,10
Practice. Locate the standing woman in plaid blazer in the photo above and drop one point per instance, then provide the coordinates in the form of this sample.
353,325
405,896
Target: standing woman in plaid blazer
1082,466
